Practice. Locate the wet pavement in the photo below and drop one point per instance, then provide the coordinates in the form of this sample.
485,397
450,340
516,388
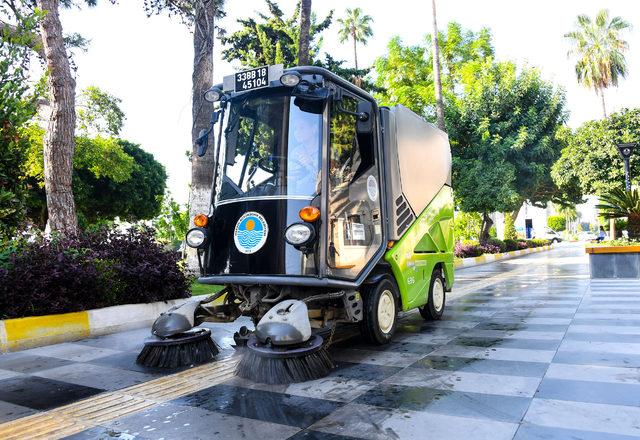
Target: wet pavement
528,349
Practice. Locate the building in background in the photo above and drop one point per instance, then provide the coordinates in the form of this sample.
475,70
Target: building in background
532,220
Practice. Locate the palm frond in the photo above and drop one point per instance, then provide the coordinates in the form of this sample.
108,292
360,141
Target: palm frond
619,203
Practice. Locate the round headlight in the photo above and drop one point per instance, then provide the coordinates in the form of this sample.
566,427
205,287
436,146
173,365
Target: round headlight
290,79
212,95
196,237
299,233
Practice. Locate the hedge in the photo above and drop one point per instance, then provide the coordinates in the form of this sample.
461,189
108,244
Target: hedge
92,270
469,249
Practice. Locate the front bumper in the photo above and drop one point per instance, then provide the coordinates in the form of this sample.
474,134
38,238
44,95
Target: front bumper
249,280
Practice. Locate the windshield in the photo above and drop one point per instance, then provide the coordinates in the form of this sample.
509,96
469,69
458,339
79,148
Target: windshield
272,148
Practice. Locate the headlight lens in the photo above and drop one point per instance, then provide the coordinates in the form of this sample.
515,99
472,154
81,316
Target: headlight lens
299,234
212,95
290,79
196,237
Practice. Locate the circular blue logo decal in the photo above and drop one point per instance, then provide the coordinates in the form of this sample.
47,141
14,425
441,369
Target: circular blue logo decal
250,233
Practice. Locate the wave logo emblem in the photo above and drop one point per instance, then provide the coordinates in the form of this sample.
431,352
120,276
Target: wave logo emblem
251,232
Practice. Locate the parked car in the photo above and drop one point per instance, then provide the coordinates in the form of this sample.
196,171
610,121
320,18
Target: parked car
587,236
548,234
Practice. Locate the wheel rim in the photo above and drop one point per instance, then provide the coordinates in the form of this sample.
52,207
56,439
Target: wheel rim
438,295
386,311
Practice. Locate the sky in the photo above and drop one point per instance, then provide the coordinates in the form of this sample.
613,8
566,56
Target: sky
147,61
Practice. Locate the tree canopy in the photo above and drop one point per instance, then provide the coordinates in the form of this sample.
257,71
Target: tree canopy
405,73
19,106
272,38
504,123
112,177
591,161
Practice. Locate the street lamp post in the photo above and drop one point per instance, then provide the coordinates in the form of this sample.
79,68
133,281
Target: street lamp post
625,151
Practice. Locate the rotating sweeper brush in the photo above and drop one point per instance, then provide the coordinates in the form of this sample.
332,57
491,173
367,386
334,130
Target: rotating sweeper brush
175,342
283,349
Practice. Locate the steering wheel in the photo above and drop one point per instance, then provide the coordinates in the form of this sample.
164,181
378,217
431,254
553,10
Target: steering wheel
265,162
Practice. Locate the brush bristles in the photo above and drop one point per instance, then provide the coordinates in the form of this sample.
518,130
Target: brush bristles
284,370
178,355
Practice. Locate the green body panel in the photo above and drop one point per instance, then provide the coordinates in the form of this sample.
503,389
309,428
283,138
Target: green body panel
427,242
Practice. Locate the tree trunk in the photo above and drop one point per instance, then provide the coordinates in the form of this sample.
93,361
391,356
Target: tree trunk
355,50
305,24
59,140
436,70
633,226
486,227
604,107
202,79
612,229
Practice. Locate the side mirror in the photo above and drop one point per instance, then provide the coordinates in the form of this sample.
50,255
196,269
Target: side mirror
203,136
365,119
203,141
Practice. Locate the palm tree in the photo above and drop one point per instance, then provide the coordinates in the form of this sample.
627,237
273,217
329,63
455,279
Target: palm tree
305,23
599,51
357,26
569,213
436,70
619,203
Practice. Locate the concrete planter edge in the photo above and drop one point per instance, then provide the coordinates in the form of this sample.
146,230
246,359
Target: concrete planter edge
36,331
614,262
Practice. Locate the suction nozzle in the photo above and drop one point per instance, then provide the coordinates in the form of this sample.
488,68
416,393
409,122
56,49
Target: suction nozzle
176,320
287,323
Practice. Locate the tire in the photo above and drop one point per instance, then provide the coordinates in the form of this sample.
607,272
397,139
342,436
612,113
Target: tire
434,308
381,304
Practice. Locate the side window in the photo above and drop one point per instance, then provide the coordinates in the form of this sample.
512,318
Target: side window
351,153
354,206
344,158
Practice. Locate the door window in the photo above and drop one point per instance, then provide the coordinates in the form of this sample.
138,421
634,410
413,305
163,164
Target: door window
354,204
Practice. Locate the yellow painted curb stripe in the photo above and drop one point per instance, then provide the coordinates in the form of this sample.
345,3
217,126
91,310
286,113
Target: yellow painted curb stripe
38,330
88,413
611,249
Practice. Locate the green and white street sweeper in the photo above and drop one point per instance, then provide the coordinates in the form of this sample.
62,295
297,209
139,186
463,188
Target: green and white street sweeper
325,209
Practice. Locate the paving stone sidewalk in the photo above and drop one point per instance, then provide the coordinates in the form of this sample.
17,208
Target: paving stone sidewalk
542,354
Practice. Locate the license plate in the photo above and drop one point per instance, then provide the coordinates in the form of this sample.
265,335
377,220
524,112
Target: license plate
252,79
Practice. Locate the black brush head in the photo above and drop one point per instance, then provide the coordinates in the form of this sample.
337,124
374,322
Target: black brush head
192,348
278,365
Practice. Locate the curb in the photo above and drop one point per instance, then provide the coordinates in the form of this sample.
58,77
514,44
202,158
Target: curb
36,331
490,258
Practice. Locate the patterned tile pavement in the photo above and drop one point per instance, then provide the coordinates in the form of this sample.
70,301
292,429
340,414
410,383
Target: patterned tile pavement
528,349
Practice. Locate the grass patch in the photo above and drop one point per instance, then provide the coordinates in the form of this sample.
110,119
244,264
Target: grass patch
198,289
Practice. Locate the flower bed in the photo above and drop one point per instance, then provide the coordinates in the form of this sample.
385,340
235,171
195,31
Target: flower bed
468,249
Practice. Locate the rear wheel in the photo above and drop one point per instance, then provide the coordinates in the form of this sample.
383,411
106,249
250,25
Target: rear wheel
380,311
434,308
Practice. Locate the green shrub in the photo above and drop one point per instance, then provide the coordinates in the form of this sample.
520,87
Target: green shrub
511,245
509,228
537,242
497,242
557,222
467,225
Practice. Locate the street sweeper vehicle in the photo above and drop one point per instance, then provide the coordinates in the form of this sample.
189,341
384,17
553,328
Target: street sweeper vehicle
325,209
